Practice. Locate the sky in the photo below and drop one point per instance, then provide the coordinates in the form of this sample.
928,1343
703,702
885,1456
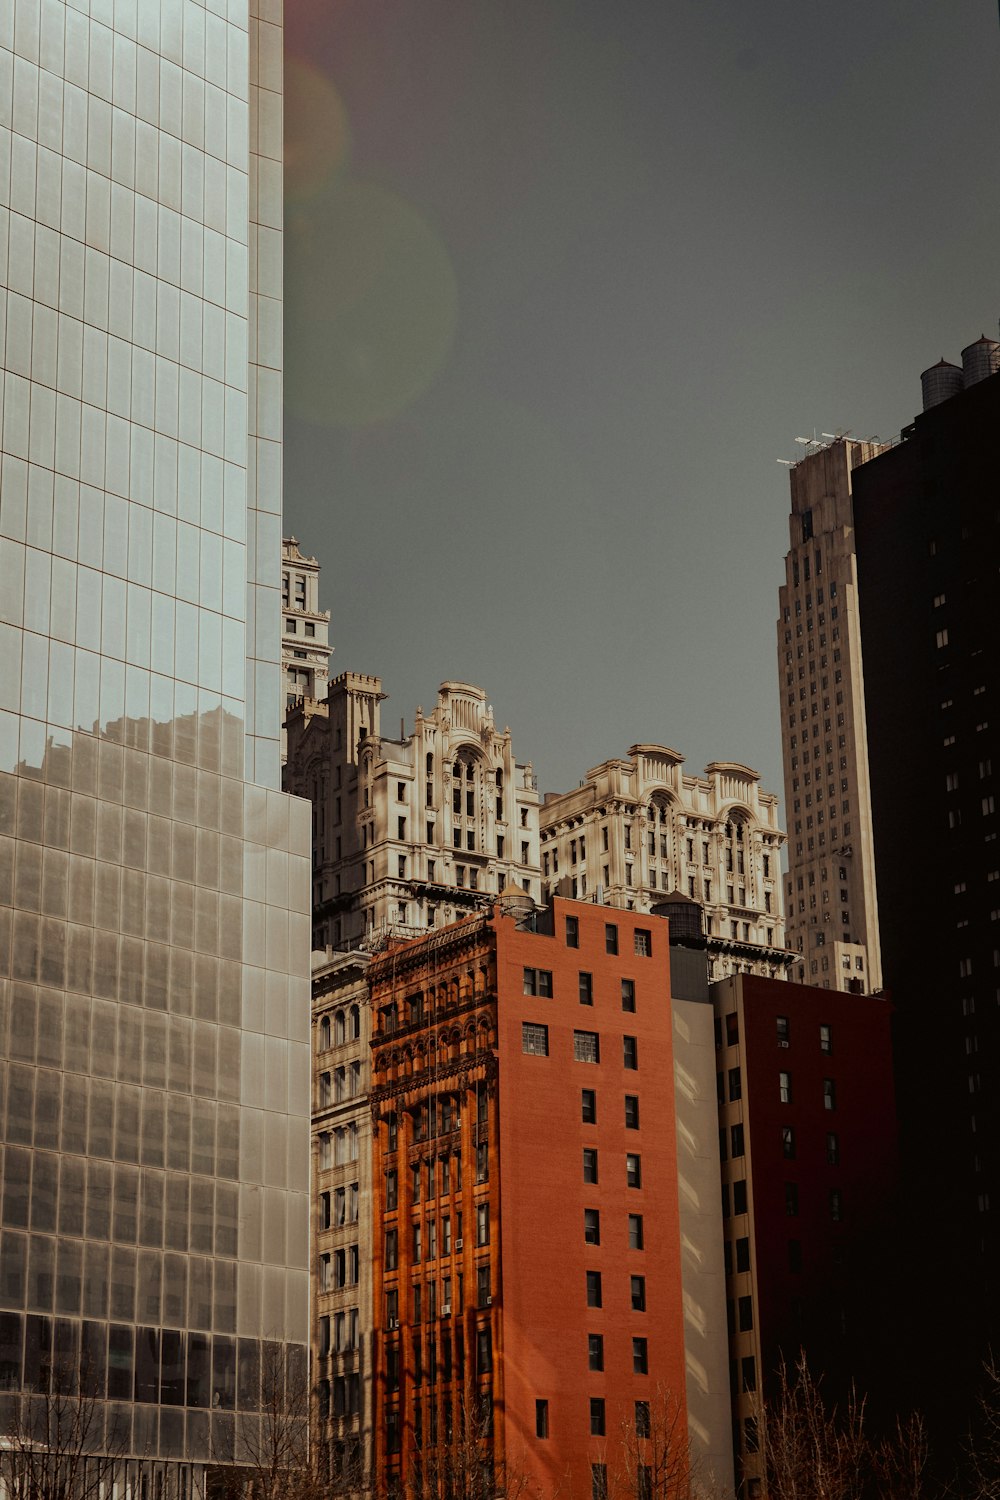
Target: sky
564,280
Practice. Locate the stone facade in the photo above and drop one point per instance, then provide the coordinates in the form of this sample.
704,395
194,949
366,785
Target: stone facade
342,1212
410,833
305,632
638,832
832,905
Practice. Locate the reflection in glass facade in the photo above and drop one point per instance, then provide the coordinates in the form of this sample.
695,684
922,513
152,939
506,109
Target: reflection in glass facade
154,884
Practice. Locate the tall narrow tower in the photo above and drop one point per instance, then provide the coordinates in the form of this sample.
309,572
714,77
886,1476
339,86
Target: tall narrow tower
831,906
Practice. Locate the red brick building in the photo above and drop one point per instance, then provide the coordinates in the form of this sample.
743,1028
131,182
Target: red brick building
808,1140
527,1258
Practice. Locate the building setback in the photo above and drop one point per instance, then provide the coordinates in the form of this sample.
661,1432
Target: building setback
807,1136
928,547
637,831
832,906
528,1272
409,833
154,883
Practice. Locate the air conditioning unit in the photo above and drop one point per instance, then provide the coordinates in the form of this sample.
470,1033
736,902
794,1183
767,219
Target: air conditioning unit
446,1310
782,1044
489,1302
393,1322
458,1244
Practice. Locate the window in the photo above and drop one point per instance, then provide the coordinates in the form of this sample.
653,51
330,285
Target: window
588,1106
732,1029
643,942
832,1149
782,1024
795,1255
642,1422
591,1226
736,1140
572,932
735,1084
743,1255
740,1196
586,1046
541,1419
610,938
836,1205
593,1289
597,1421
482,1223
595,1351
631,1112
630,1052
633,1169
628,994
635,1231
791,1200
745,1310
640,1357
829,1094
785,1088
788,1142
589,1164
534,1039
749,1373
586,989
598,1482
637,1291
538,982
825,1038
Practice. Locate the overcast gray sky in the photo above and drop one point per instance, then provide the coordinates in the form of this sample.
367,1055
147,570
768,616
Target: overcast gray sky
564,279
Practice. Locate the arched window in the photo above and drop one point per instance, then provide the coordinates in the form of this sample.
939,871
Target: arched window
338,1027
738,857
659,842
467,791
324,1034
355,1031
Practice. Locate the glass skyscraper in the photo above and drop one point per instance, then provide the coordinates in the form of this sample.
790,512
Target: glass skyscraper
154,883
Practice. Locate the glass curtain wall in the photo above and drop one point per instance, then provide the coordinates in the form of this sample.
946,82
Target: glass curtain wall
154,884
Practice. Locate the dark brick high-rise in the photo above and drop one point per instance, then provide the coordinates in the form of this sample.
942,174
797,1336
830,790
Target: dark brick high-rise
927,526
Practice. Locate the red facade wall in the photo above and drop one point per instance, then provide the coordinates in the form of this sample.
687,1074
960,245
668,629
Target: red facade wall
544,1256
839,1305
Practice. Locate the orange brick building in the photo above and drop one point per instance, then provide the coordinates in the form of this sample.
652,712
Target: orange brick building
527,1269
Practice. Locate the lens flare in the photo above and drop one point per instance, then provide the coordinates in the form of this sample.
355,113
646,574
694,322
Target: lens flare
371,305
317,136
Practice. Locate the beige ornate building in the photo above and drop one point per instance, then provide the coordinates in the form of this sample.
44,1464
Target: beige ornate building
305,631
637,832
342,1211
409,833
832,905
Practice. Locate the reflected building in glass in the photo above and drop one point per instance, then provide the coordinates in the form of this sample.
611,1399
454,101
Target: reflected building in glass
154,882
